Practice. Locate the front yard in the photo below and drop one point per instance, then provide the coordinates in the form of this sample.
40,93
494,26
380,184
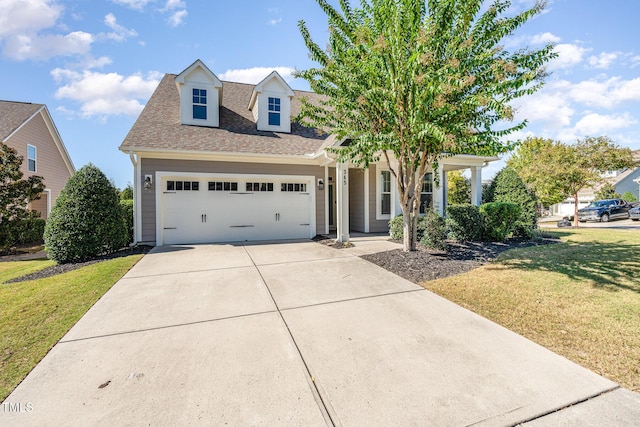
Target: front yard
579,298
35,314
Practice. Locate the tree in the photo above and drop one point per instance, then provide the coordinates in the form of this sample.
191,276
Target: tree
418,81
540,178
570,168
508,187
458,188
15,194
87,219
127,192
607,191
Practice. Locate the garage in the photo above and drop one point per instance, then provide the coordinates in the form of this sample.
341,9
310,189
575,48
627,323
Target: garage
227,208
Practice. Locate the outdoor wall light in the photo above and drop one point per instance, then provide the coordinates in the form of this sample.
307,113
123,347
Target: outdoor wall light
147,182
320,184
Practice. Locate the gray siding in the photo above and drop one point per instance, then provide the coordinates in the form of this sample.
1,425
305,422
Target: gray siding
375,226
356,200
627,184
151,166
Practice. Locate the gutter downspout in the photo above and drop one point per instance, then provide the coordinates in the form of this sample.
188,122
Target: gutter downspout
136,196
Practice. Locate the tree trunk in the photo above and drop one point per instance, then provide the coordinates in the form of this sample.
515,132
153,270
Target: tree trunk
407,235
575,209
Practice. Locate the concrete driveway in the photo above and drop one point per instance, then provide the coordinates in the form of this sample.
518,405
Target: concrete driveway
299,334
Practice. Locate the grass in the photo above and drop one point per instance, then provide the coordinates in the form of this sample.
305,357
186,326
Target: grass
37,313
579,298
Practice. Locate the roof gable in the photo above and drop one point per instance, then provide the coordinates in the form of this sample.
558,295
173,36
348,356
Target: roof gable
14,115
272,83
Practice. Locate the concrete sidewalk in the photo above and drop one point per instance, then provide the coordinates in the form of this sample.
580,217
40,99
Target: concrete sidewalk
296,333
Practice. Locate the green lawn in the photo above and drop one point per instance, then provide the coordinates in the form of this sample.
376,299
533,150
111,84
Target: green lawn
37,313
579,298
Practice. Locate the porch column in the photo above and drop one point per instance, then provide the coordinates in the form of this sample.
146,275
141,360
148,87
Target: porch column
476,185
438,195
342,197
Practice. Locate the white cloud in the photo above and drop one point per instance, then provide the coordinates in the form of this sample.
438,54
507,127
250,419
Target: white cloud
132,4
548,107
276,18
597,124
544,38
173,4
605,93
177,18
18,17
273,22
568,56
256,74
22,47
603,60
119,33
105,94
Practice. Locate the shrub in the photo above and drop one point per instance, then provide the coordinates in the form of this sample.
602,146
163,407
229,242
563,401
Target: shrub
127,212
87,219
30,231
465,223
396,228
629,197
508,187
499,219
434,231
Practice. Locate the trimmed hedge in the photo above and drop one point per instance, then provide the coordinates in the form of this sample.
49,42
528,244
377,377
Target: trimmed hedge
434,231
127,211
87,219
465,223
499,219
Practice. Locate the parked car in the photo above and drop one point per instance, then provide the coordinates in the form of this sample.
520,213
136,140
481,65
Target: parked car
604,210
634,212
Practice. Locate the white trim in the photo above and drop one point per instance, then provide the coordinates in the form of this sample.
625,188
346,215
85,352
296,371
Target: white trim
137,206
380,216
366,200
160,175
309,159
326,199
48,191
35,160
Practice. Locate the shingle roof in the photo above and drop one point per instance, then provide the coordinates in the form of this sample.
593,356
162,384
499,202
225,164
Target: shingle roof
159,127
13,114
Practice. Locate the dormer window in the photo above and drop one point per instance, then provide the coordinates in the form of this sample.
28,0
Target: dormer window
274,111
200,96
200,104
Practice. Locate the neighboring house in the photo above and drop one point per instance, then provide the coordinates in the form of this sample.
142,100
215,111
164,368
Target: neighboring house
622,181
220,161
29,129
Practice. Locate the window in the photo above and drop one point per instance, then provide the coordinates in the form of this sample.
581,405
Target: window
200,104
274,111
426,194
223,186
259,186
293,187
31,156
183,186
385,193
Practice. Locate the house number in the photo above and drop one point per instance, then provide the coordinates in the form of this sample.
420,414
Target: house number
344,177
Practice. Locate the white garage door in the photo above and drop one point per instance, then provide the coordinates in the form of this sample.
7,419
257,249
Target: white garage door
197,210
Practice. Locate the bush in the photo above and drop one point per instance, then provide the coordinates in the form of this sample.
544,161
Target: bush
499,219
465,223
30,231
127,212
396,228
629,197
87,219
434,231
508,187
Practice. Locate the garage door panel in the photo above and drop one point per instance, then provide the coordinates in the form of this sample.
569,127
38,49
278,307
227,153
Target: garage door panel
257,210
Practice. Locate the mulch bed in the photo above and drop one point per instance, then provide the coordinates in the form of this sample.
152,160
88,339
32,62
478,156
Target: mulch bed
425,264
64,268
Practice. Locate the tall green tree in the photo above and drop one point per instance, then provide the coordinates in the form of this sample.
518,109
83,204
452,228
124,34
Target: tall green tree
15,194
458,188
507,186
607,191
417,81
542,178
568,168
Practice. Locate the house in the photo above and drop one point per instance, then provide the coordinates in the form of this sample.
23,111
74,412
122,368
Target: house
623,181
29,129
221,161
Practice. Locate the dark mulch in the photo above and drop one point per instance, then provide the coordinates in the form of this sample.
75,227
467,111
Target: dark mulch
64,268
425,264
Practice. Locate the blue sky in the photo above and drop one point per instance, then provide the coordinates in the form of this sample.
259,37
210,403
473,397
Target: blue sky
96,63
